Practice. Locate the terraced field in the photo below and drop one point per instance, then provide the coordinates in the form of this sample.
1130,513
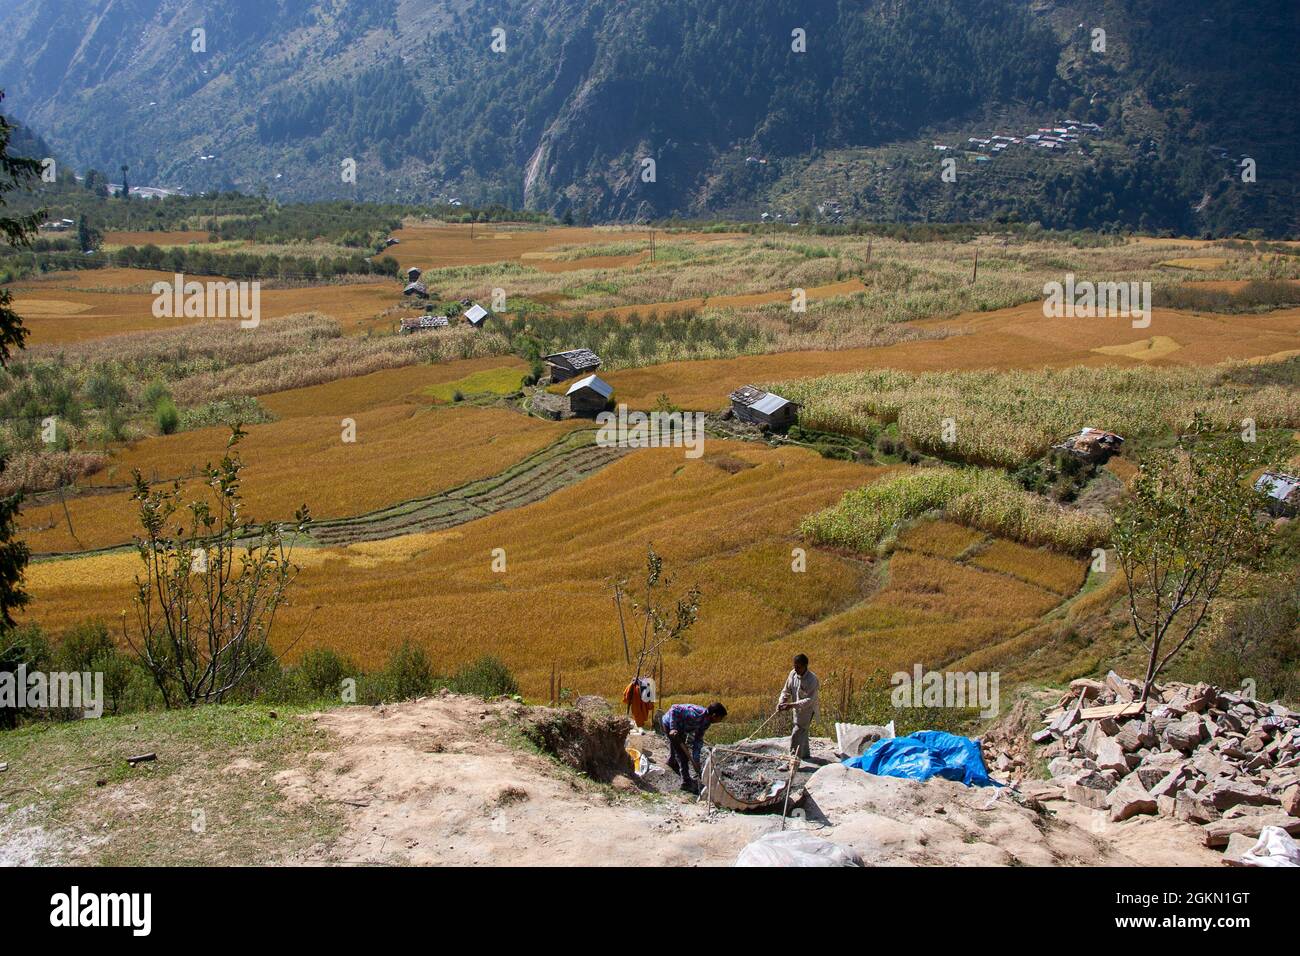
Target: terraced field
569,460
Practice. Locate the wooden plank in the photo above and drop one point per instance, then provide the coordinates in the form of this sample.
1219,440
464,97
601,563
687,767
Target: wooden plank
1112,710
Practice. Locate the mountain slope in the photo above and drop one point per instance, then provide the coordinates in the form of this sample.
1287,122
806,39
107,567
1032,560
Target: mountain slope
583,92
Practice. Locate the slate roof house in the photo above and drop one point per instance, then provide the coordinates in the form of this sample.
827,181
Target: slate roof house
566,365
757,407
424,322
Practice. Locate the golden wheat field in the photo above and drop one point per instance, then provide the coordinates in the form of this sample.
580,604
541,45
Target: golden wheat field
400,452
1018,337
73,307
726,522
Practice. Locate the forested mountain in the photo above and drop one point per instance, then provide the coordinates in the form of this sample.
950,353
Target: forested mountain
559,108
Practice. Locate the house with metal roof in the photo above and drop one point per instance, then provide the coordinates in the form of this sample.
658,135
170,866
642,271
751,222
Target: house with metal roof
1282,491
476,315
765,409
566,365
589,395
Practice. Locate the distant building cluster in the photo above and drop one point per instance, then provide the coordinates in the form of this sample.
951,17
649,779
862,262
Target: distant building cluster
1062,136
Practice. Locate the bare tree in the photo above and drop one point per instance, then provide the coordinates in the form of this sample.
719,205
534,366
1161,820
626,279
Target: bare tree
664,618
212,584
1191,517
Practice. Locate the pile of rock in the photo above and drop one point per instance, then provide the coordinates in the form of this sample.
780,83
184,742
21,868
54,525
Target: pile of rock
1193,752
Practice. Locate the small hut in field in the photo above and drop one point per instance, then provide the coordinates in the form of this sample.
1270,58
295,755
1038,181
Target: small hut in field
765,409
423,323
476,315
589,396
1282,491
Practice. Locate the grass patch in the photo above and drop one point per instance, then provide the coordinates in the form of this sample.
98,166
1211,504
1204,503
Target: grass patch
69,796
496,381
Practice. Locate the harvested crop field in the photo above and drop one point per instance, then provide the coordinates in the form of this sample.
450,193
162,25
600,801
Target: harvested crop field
445,246
400,452
750,300
58,313
409,385
1019,337
731,532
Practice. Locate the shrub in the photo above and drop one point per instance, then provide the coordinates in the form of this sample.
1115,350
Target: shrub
167,416
322,671
408,673
155,392
485,677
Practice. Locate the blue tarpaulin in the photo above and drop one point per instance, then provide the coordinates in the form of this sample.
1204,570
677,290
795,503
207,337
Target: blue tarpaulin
925,754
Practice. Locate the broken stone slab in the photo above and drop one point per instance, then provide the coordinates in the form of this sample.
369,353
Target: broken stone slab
1218,832
1290,800
1238,846
1230,792
1110,756
1086,687
1068,717
1129,799
1171,783
1122,689
1185,734
1041,736
1136,734
1088,788
1194,809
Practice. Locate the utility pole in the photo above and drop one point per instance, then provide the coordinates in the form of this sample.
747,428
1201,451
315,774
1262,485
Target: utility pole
975,271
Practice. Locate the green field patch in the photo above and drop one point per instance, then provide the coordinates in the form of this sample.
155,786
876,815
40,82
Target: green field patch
493,381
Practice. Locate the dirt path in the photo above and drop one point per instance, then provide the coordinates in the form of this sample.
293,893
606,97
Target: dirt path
436,782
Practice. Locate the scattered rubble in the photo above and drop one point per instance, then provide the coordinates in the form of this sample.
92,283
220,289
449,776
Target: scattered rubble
1192,752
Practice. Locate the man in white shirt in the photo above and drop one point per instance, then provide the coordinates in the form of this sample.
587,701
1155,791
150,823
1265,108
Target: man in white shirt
799,695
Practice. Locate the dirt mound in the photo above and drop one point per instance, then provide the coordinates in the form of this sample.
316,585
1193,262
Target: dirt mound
589,738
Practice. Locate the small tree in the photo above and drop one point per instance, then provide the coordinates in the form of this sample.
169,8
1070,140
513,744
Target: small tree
206,603
1191,516
15,172
664,619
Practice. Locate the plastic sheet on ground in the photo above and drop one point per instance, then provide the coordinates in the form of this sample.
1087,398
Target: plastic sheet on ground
926,754
793,848
1275,847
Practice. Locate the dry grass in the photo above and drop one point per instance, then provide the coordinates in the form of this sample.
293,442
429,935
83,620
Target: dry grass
943,539
400,452
58,314
1006,418
1053,572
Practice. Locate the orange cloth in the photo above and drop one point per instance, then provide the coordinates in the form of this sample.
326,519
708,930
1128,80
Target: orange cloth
640,709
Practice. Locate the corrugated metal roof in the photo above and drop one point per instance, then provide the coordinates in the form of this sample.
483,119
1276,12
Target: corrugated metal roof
1277,485
593,382
476,313
769,404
